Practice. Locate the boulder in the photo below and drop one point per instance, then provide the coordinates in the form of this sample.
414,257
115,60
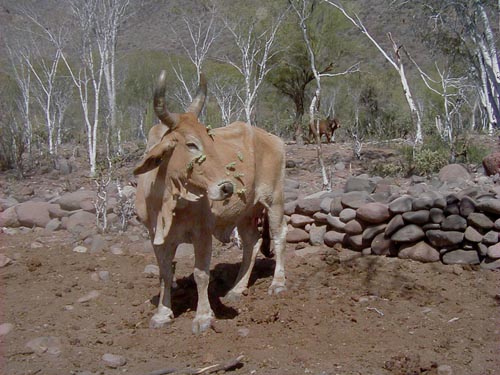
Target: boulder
453,173
401,204
461,257
308,206
317,234
491,164
8,218
353,227
333,237
454,222
441,238
382,245
419,217
355,199
300,221
297,235
33,214
408,233
80,221
347,214
420,251
72,201
480,221
374,213
359,184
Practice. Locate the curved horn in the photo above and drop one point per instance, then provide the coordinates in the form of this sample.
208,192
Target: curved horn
167,118
199,100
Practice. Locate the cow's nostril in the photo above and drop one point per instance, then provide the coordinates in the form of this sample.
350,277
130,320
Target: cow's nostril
227,189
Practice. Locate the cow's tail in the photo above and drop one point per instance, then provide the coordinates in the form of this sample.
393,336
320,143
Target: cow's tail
265,248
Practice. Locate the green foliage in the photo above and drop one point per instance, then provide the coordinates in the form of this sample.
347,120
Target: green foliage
426,161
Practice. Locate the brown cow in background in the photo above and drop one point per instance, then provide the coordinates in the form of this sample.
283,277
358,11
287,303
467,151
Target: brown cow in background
326,127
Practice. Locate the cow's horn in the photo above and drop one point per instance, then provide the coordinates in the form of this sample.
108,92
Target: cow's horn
169,119
199,100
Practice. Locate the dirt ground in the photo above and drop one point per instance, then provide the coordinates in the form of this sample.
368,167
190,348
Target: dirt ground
343,313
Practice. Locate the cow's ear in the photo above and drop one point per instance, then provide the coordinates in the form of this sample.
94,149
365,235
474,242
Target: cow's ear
155,156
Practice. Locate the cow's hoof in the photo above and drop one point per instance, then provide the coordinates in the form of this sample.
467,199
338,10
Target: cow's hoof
202,323
160,320
232,297
276,289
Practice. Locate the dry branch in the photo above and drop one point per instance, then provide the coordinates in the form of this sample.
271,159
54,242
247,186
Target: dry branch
230,365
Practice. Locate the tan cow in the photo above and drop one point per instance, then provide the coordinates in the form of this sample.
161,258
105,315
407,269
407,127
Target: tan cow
196,182
327,128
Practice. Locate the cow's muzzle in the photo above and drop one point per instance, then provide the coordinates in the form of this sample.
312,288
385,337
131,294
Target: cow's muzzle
226,189
221,191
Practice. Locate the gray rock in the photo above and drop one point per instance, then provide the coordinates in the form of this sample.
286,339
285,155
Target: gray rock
382,245
359,184
98,244
325,204
336,206
489,205
430,226
355,199
7,203
308,206
420,251
335,223
490,264
473,235
452,209
72,201
290,184
290,196
444,370
152,270
490,238
441,238
6,328
440,202
300,221
482,248
8,218
333,237
356,242
4,260
497,224
320,217
453,173
31,214
53,225
454,222
480,221
290,207
80,249
416,217
408,233
113,360
347,214
401,204
467,206
494,251
436,215
317,234
80,221
297,235
422,203
353,227
461,257
370,232
394,224
374,213
47,344
93,294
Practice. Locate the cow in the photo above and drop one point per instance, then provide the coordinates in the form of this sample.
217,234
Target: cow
196,182
326,127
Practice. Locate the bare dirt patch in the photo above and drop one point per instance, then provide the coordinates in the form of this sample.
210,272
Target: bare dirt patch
343,313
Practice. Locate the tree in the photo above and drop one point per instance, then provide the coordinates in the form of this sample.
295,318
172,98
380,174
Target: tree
396,62
256,49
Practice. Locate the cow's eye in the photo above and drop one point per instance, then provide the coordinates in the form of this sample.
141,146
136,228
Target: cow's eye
192,146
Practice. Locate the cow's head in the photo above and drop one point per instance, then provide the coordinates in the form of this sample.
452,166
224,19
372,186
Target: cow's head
187,151
333,123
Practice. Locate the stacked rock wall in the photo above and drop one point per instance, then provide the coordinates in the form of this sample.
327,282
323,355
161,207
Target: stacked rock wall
428,226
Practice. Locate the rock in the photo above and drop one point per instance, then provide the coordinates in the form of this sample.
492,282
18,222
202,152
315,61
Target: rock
80,221
325,204
401,204
454,222
491,164
4,260
422,203
308,206
497,224
370,232
297,235
291,196
430,226
452,209
316,235
382,245
353,227
243,332
480,221
374,213
461,257
300,221
320,217
396,223
436,215
113,360
444,370
6,328
489,205
290,184
7,203
467,206
290,207
453,173
93,294
490,238
63,166
421,252
473,235
440,238
336,206
8,218
116,249
31,214
356,242
152,270
332,237
80,249
72,201
359,184
490,264
494,251
98,244
408,233
335,223
355,199
347,214
50,345
53,225
482,248
419,217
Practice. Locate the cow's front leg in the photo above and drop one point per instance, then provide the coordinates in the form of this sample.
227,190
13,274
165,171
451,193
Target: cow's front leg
204,314
164,314
278,229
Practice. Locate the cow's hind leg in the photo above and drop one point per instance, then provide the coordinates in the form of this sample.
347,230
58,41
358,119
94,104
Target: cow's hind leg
203,253
277,226
251,241
164,314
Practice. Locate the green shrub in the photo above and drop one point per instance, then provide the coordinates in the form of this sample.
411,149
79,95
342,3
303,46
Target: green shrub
426,161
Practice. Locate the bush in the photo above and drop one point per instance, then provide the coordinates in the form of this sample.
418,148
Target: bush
426,161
